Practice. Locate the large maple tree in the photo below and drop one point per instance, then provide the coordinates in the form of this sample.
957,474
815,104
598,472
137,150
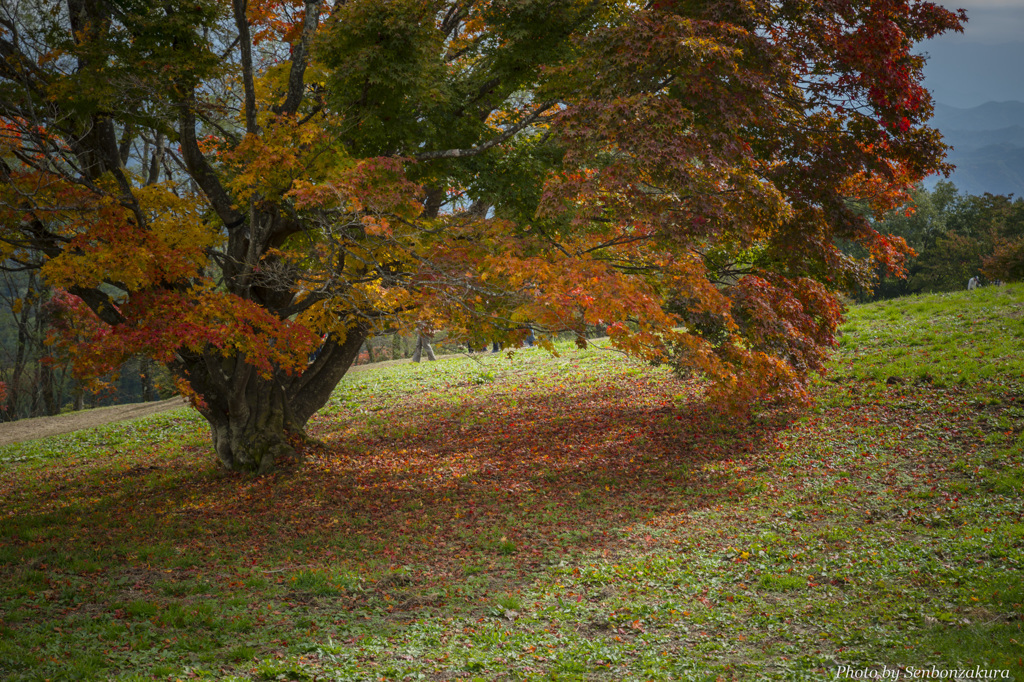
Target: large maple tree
246,190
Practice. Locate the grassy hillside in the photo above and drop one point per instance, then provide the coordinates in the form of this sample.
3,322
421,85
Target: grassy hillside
532,517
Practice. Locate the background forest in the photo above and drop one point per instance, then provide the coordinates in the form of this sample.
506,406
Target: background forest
955,236
35,374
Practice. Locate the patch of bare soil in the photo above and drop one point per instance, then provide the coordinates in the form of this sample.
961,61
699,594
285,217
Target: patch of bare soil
41,427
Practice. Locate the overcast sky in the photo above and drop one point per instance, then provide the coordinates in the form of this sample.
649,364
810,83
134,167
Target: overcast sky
986,62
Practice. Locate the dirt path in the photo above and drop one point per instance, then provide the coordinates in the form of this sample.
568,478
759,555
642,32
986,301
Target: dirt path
41,427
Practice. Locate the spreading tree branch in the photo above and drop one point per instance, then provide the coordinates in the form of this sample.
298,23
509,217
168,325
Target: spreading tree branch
480,149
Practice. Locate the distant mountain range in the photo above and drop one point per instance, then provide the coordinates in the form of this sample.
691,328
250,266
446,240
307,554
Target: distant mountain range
988,146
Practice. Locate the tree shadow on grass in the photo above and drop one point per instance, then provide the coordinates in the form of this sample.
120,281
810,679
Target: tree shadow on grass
477,487
439,507
490,484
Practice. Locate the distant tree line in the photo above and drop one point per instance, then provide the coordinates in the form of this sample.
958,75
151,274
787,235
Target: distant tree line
396,346
956,237
36,377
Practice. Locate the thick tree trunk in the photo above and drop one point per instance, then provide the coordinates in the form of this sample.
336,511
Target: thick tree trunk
14,387
47,389
145,376
255,435
254,418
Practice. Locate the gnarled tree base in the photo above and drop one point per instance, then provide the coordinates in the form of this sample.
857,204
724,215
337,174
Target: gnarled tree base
251,416
256,439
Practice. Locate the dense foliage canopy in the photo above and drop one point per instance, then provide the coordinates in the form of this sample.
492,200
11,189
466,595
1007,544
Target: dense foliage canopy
245,191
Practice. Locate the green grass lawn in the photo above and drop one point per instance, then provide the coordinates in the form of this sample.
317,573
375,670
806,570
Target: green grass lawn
523,516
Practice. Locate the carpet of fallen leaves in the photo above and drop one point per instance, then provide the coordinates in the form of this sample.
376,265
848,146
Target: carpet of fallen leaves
456,472
461,473
594,512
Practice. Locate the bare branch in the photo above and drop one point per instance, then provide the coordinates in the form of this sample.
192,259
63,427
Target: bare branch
618,241
300,59
479,149
201,171
452,19
245,45
99,303
158,156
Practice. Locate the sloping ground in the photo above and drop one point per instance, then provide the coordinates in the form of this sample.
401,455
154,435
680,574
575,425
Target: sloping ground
43,427
572,518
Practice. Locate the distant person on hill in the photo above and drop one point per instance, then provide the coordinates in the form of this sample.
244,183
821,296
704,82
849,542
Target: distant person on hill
972,284
495,346
423,344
